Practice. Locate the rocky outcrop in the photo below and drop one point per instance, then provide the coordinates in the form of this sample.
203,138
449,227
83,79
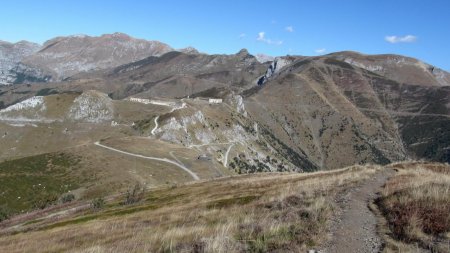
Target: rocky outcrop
31,109
92,106
277,64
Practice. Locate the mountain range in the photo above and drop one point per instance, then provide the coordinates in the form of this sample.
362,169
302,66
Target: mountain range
317,112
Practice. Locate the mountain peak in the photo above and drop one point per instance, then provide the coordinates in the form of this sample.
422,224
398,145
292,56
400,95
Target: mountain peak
243,52
189,50
80,35
117,35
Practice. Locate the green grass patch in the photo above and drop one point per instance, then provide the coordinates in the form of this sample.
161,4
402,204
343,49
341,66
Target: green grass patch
46,92
101,215
223,203
144,125
152,202
37,181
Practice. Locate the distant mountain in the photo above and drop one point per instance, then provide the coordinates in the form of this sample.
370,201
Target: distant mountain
10,55
63,57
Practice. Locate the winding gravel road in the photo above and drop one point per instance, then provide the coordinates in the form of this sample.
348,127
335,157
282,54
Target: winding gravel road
181,166
225,162
183,105
156,125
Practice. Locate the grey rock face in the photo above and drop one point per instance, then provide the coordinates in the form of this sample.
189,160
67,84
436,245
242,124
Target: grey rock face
10,55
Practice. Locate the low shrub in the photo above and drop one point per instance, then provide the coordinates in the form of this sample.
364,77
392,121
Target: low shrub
97,204
4,213
45,200
134,195
67,198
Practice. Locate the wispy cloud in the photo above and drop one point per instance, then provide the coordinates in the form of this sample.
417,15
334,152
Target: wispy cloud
400,39
262,37
289,29
242,35
320,50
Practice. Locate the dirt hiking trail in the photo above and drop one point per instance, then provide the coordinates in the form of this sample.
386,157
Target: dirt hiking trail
354,229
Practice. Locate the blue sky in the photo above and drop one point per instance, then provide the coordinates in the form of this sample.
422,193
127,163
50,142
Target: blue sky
420,29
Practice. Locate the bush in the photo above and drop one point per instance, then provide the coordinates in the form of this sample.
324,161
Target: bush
45,200
67,198
4,213
97,204
134,195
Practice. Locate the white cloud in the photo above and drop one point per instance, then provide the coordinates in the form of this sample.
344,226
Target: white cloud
242,35
262,37
289,28
400,39
320,50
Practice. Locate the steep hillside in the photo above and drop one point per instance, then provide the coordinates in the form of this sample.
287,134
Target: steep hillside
340,114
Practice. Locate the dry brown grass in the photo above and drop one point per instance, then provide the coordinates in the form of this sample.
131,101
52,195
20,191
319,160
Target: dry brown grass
416,204
253,213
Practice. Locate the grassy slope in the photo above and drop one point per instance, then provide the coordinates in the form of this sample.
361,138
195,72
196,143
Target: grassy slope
29,182
252,213
416,204
90,171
